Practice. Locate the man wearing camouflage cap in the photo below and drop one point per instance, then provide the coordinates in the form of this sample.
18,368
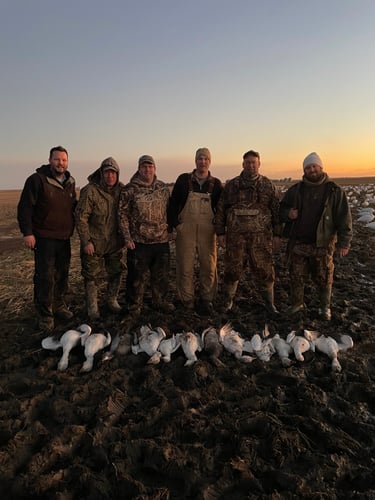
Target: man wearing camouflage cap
143,225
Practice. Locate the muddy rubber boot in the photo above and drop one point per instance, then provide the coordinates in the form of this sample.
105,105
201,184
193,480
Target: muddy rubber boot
268,296
324,310
92,300
229,291
112,294
297,292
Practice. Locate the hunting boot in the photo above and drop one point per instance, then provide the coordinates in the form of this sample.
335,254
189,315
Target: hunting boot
297,291
135,302
46,323
324,310
92,300
268,296
229,291
112,294
62,311
159,303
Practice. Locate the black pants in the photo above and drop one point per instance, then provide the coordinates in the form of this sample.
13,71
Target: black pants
52,260
153,258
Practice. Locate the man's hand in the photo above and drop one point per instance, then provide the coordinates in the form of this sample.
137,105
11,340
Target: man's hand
276,243
29,241
89,249
341,252
221,240
293,214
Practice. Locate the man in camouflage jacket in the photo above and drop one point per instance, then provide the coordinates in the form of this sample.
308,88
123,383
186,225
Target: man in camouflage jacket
143,225
101,241
247,225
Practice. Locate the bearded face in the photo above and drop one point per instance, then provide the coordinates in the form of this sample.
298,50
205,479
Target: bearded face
313,173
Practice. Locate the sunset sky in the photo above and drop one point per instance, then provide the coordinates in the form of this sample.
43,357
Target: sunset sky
124,78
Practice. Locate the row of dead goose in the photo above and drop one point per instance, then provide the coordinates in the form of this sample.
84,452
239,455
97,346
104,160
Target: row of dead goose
155,344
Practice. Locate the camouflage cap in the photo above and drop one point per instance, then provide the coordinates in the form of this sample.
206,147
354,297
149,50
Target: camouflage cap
146,159
109,164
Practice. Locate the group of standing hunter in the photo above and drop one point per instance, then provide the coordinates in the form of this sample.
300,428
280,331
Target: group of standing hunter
127,229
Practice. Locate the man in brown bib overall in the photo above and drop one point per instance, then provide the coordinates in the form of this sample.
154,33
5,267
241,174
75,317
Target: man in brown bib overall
191,212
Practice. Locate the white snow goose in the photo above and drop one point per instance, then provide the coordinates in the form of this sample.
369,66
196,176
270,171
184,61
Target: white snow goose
148,340
329,346
68,340
93,344
191,343
233,343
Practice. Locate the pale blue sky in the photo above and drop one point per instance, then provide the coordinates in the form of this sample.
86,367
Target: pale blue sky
164,77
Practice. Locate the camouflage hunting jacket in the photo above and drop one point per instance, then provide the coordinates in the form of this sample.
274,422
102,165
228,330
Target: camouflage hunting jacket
248,206
143,211
96,215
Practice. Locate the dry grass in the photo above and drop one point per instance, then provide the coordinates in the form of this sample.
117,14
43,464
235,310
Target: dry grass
17,263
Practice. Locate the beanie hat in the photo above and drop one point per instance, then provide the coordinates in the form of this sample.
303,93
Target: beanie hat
204,152
109,164
312,158
146,159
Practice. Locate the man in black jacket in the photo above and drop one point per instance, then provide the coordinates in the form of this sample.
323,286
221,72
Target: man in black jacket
318,224
46,219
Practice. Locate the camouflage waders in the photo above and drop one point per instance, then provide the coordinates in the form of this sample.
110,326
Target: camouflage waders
91,269
306,260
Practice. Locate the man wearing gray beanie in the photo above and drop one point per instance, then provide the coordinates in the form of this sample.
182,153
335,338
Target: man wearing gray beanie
318,223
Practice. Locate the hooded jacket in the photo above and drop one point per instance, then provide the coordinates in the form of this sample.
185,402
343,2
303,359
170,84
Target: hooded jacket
46,206
143,211
335,223
96,214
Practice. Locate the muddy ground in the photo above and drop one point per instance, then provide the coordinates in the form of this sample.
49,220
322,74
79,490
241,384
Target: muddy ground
131,430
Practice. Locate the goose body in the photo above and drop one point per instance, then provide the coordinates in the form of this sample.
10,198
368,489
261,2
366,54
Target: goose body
283,349
93,344
148,340
298,344
165,349
366,217
168,346
233,343
329,346
263,349
191,344
125,344
252,345
68,340
211,344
